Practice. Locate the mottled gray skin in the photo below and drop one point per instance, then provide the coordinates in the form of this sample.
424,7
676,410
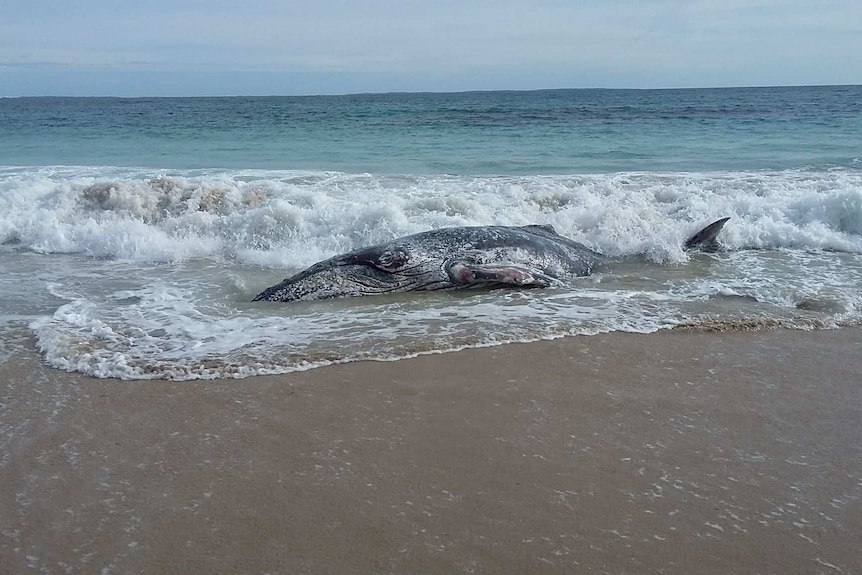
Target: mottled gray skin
449,259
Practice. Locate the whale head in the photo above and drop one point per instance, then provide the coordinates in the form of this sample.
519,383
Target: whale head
371,271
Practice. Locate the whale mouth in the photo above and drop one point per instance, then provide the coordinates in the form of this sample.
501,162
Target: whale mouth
333,281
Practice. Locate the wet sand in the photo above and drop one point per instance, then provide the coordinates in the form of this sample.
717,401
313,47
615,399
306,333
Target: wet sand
676,452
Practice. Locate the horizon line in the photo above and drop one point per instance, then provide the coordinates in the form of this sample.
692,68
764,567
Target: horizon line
439,92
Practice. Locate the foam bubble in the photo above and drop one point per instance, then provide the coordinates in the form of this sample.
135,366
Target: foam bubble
794,260
289,219
183,327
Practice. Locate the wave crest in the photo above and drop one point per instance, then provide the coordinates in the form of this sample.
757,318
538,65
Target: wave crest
291,219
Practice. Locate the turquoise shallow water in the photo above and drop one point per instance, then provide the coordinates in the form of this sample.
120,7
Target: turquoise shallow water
499,133
135,232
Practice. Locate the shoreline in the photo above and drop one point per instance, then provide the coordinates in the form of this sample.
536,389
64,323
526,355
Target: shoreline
672,452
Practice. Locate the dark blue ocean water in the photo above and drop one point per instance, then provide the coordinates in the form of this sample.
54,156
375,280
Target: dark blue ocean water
539,132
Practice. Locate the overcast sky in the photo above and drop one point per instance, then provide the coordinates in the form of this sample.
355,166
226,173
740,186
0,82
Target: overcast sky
257,47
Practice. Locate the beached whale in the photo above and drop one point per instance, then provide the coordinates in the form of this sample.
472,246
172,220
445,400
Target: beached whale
455,258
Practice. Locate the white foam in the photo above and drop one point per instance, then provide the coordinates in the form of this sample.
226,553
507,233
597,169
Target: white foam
167,332
229,234
182,329
291,219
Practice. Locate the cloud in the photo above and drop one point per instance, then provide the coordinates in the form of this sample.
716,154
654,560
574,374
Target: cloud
441,45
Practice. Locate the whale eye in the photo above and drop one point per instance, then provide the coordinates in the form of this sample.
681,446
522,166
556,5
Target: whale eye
390,260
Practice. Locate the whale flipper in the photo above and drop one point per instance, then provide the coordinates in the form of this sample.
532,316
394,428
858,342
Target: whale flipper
705,239
467,273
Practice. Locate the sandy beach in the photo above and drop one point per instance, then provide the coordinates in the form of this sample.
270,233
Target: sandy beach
676,452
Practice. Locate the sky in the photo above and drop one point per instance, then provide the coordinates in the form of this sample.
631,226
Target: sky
283,47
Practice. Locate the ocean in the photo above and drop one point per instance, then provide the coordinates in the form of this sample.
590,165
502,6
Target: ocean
135,232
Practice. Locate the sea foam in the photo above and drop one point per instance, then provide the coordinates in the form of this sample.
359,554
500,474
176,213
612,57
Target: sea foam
173,259
291,219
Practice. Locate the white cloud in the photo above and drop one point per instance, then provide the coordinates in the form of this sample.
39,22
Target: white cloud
444,44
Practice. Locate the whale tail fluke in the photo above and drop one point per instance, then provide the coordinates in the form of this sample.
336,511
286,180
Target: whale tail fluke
704,240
